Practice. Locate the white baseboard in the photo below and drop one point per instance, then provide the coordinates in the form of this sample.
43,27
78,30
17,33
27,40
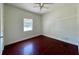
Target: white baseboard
60,39
22,39
47,36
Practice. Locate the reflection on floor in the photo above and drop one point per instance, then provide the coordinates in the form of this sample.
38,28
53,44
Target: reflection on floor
28,48
41,45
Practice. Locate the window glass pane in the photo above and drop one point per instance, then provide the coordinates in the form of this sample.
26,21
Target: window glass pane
28,24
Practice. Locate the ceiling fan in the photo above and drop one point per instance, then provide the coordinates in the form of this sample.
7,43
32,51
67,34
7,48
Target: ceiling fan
42,5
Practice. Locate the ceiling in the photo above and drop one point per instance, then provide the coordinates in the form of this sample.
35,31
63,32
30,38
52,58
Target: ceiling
51,7
31,7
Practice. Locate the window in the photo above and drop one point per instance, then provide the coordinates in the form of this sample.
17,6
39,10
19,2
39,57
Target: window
28,24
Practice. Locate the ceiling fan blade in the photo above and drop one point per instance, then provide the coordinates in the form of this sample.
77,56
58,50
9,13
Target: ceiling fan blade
48,3
46,7
36,6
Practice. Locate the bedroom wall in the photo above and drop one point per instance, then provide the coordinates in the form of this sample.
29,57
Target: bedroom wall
61,23
13,24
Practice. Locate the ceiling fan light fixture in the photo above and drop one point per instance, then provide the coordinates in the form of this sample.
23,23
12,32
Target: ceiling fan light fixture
41,5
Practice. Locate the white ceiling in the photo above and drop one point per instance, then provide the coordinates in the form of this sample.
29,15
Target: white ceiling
51,7
30,7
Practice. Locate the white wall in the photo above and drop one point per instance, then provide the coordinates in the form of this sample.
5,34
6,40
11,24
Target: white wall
13,24
61,23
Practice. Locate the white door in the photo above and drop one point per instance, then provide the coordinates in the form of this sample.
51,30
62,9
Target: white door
1,44
1,28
